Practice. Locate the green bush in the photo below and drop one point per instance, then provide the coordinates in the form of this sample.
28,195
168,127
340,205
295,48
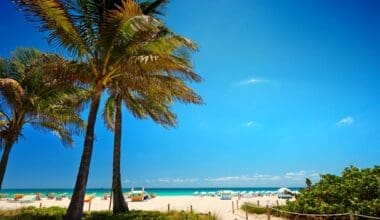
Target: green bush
57,213
250,208
356,190
32,213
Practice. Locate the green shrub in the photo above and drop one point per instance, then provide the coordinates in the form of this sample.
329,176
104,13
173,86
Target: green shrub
32,213
251,208
356,190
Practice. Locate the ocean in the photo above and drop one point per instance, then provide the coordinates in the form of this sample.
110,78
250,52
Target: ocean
156,191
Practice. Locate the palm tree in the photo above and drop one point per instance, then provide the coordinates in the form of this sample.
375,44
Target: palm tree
103,34
29,94
142,101
152,98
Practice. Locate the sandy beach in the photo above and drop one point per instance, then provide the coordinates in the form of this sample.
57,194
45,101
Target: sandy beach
221,208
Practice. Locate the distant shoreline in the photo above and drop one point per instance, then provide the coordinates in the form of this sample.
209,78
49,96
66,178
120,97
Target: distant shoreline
137,187
157,191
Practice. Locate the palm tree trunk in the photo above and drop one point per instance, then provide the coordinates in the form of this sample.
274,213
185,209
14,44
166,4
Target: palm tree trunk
75,210
4,160
119,204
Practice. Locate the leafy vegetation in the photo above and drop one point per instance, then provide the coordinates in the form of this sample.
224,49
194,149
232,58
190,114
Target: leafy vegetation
113,42
146,92
356,190
251,208
57,213
30,94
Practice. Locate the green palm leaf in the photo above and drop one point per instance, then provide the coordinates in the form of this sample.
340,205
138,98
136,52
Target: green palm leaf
52,16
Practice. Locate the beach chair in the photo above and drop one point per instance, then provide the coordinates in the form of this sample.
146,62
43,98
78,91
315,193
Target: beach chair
51,196
38,196
17,197
61,196
27,199
89,198
137,197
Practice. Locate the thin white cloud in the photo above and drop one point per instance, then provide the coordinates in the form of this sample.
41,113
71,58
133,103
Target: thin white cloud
314,175
173,180
295,175
301,176
262,177
230,178
244,178
163,180
346,121
249,123
190,180
253,81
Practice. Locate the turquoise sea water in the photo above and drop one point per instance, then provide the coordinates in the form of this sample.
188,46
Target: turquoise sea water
157,191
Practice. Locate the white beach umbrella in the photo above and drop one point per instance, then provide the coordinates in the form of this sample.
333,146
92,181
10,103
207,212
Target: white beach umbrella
283,190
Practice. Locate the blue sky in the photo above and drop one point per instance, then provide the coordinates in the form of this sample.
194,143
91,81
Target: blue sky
291,91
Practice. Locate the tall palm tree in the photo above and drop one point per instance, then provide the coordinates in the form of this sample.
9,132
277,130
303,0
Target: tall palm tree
103,34
152,98
29,94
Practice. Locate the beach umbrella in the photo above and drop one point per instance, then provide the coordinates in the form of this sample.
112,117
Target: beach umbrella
284,190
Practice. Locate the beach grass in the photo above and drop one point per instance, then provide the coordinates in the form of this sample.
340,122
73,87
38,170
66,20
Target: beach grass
259,210
251,208
57,213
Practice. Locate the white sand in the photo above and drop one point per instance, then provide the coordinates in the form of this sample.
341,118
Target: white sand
221,208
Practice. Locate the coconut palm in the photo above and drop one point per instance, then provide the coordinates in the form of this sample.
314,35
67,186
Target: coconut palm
102,34
145,94
29,94
152,98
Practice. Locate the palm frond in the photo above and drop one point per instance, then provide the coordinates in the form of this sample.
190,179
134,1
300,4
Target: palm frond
21,59
88,15
57,129
109,113
12,89
153,7
134,106
168,44
122,25
52,16
32,94
163,64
